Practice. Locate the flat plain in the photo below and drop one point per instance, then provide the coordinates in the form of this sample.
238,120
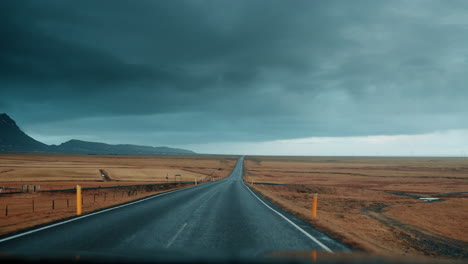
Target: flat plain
373,203
63,172
27,168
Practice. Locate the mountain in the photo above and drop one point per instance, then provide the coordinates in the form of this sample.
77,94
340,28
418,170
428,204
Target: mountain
13,139
86,147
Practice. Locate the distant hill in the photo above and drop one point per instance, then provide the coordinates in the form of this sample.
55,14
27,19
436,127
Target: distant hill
13,139
86,147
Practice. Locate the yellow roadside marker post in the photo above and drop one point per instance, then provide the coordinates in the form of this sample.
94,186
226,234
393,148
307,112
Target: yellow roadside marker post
314,205
79,200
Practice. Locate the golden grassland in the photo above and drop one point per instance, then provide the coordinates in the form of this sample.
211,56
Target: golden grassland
54,170
371,203
58,172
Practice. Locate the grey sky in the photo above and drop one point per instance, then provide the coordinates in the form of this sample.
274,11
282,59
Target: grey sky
203,72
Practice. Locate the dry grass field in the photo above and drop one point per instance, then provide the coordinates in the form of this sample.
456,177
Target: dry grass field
59,172
29,168
372,203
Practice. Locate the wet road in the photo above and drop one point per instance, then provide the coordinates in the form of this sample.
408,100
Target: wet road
223,216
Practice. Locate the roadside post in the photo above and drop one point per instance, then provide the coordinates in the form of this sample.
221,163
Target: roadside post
79,200
314,255
314,205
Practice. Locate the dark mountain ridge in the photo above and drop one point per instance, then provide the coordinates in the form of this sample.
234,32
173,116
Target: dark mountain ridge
86,147
13,139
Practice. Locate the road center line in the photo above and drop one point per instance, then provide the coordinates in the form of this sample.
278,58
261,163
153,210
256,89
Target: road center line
291,222
176,235
204,202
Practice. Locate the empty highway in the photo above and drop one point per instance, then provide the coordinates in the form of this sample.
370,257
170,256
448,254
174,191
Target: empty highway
222,216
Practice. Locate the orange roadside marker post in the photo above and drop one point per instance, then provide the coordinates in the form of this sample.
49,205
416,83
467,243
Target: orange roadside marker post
314,205
314,256
79,200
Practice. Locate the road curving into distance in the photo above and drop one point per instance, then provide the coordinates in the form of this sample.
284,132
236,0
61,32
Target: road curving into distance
222,217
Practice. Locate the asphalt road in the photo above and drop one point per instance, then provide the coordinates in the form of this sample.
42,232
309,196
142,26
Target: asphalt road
218,217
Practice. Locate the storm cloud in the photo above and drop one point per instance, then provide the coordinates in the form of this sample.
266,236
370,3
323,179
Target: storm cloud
192,72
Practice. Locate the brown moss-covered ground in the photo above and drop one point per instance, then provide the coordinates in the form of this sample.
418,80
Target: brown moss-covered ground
372,203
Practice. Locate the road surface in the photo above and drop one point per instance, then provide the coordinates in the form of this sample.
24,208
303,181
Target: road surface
223,216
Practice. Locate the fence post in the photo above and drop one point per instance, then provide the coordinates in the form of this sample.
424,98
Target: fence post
79,200
33,205
53,204
314,205
6,210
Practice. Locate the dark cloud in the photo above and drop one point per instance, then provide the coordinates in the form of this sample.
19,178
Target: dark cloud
202,71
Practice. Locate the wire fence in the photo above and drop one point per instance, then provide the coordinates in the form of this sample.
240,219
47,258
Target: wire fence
64,200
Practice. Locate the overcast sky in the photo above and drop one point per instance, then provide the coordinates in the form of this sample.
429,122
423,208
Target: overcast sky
252,76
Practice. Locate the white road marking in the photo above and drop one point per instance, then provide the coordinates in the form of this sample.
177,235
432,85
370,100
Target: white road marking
291,222
91,214
176,235
204,202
